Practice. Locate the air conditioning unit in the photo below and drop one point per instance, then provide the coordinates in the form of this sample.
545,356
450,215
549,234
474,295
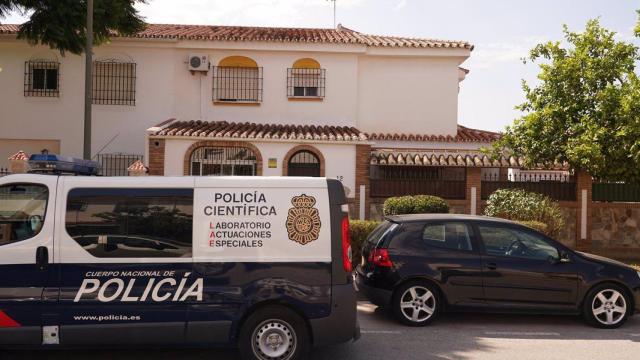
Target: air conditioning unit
198,62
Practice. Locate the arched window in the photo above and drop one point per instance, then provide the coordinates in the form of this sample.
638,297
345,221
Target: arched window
306,79
224,161
304,163
237,79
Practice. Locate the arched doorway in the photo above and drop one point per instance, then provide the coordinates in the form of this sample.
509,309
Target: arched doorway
304,163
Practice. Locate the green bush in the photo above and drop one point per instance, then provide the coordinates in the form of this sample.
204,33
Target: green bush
359,231
418,204
536,225
532,209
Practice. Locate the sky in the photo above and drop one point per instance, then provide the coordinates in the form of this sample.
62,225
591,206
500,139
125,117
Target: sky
503,31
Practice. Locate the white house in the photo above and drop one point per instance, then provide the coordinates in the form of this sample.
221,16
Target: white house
226,100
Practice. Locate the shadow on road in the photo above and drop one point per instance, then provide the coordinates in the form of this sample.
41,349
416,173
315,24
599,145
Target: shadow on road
452,336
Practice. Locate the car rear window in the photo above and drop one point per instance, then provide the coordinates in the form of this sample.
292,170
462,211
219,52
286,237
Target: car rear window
381,232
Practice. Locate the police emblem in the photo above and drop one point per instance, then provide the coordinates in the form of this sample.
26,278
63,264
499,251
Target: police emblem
303,220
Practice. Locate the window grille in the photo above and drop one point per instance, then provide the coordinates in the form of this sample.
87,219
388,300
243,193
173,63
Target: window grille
42,78
224,161
302,82
114,83
237,84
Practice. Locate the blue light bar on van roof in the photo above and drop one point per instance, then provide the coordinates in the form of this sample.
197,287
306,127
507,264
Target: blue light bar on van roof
56,164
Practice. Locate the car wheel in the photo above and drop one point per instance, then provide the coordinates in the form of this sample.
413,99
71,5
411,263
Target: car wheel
606,306
274,332
416,303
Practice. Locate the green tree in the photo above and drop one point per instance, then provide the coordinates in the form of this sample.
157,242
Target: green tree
60,24
585,110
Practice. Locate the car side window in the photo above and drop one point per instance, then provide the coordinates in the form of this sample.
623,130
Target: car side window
513,242
450,235
131,223
22,211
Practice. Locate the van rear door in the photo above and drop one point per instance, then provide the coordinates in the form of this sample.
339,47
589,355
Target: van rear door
27,204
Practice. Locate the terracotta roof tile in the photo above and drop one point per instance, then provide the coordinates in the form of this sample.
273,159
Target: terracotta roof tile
137,166
464,134
223,129
340,35
441,158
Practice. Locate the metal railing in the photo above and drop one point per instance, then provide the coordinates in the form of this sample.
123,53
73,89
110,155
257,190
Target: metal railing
237,84
116,164
388,181
114,83
4,172
556,186
447,189
616,191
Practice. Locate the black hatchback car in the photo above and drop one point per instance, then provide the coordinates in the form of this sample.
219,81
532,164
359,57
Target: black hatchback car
422,265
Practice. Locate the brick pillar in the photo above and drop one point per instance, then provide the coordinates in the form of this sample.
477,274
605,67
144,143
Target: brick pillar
584,204
156,156
474,180
504,174
363,156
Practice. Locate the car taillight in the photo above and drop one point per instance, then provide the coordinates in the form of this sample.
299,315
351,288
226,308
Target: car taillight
346,245
380,257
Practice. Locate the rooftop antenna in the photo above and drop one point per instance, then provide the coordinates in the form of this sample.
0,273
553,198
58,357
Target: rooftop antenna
334,12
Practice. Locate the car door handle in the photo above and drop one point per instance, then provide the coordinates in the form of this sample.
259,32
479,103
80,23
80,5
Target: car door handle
42,258
492,266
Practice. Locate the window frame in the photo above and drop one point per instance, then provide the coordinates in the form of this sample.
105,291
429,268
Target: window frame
30,66
471,231
44,215
549,241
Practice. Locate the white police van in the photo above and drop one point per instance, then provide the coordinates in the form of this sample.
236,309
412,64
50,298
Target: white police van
254,262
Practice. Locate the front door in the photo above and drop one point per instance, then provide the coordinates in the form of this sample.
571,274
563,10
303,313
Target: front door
26,254
522,269
126,261
304,163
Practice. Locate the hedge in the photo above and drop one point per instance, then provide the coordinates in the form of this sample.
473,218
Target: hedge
532,209
359,231
418,204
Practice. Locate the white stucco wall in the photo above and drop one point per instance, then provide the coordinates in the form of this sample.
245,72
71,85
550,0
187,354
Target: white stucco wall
340,159
408,95
372,89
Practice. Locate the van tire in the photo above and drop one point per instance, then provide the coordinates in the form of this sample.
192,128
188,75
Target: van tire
424,299
280,325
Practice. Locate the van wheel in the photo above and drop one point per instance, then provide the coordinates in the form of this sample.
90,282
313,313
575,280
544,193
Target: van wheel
416,303
274,332
606,306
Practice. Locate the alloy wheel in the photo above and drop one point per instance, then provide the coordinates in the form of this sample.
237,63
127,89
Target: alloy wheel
418,304
609,307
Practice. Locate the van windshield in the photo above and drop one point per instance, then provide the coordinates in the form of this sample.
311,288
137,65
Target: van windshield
22,211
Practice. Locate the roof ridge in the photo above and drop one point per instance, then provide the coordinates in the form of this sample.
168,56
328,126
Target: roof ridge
339,35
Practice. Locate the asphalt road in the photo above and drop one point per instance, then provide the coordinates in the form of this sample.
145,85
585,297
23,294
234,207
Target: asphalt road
453,336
